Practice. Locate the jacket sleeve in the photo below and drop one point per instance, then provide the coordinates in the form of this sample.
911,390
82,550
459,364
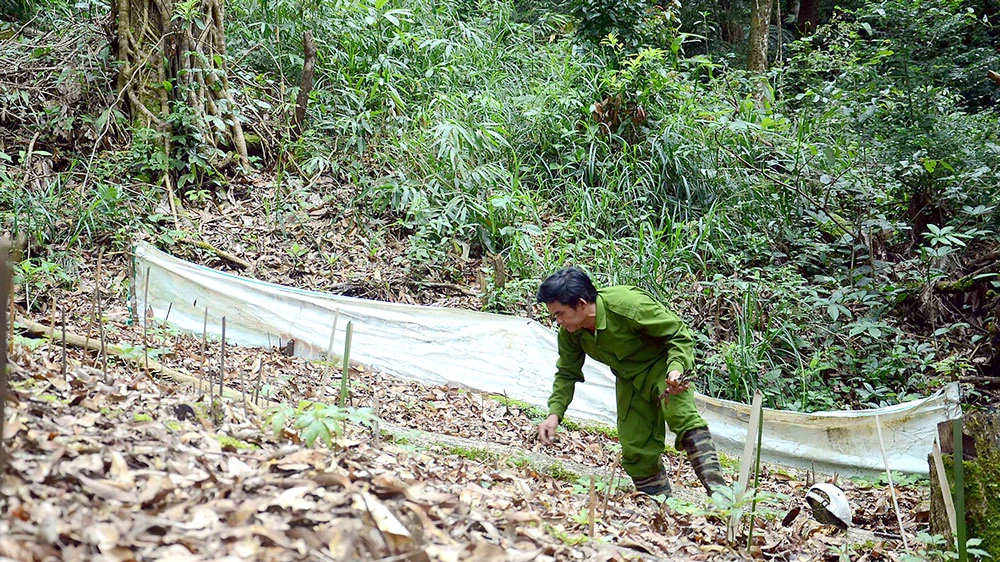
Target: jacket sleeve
569,371
654,319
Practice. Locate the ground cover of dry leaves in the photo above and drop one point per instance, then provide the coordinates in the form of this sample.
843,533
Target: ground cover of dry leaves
129,467
123,465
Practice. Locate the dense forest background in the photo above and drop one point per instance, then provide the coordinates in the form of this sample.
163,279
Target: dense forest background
813,185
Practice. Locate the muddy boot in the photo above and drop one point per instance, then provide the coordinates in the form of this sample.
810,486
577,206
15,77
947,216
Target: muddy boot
700,450
655,485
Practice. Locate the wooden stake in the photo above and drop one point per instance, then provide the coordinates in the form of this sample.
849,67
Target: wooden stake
611,486
892,489
329,354
5,293
344,380
959,457
756,409
949,503
10,304
222,362
245,391
260,379
145,321
376,435
62,313
592,508
100,315
204,352
756,477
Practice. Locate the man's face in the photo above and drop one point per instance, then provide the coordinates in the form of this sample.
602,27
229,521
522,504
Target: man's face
569,317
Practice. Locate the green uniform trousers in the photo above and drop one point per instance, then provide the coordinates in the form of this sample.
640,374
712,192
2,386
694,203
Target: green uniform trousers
642,422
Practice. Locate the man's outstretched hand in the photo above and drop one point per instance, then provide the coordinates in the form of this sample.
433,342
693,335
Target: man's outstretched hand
547,429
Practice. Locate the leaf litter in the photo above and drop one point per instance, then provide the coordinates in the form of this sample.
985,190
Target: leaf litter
124,466
115,468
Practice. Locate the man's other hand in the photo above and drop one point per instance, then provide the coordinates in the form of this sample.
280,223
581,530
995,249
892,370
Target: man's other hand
547,429
675,385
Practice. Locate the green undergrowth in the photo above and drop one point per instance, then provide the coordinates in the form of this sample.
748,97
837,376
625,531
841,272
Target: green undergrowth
818,225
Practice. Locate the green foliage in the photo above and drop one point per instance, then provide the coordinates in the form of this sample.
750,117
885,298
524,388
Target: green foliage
314,420
935,548
726,506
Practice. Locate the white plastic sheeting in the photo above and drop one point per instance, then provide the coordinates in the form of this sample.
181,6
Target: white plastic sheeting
511,356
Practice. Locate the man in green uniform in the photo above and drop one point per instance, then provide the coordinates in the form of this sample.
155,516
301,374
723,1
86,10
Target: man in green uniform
648,349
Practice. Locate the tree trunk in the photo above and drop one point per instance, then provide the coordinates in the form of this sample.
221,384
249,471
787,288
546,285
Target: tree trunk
981,451
172,72
730,25
760,23
808,17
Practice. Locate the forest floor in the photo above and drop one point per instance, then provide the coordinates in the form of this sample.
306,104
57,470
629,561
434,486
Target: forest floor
107,461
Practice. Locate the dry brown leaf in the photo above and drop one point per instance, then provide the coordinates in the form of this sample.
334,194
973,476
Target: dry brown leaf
394,531
107,490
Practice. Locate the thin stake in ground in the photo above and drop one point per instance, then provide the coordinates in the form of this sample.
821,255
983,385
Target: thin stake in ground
375,410
958,455
611,485
204,352
62,314
245,391
260,380
756,408
892,489
329,354
222,363
145,322
949,503
592,507
5,292
756,476
100,316
345,378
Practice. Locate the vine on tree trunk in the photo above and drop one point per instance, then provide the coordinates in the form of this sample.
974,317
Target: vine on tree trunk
172,76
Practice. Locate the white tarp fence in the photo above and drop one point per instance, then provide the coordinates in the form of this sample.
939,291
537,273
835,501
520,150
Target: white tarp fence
511,356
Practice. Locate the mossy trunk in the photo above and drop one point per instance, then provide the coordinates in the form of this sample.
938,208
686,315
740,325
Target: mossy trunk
981,451
172,70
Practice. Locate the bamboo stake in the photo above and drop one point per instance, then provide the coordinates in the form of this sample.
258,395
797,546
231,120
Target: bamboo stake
100,314
222,362
260,380
755,413
245,391
145,322
344,380
204,353
10,304
611,486
376,434
959,457
892,489
592,508
949,503
62,313
5,292
756,477
329,353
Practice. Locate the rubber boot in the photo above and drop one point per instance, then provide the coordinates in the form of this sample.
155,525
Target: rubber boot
655,485
700,450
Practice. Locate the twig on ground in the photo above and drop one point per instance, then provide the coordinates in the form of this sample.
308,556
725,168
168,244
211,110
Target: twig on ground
232,258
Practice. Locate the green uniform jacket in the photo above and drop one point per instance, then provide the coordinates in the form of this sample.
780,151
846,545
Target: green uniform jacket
636,336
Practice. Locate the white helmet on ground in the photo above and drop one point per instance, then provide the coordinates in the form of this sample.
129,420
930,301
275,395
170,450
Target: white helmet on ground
829,505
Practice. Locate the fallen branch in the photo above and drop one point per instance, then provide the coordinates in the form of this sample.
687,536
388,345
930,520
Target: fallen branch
221,253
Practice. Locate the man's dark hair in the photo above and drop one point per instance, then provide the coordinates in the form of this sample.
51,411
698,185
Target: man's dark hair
567,286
